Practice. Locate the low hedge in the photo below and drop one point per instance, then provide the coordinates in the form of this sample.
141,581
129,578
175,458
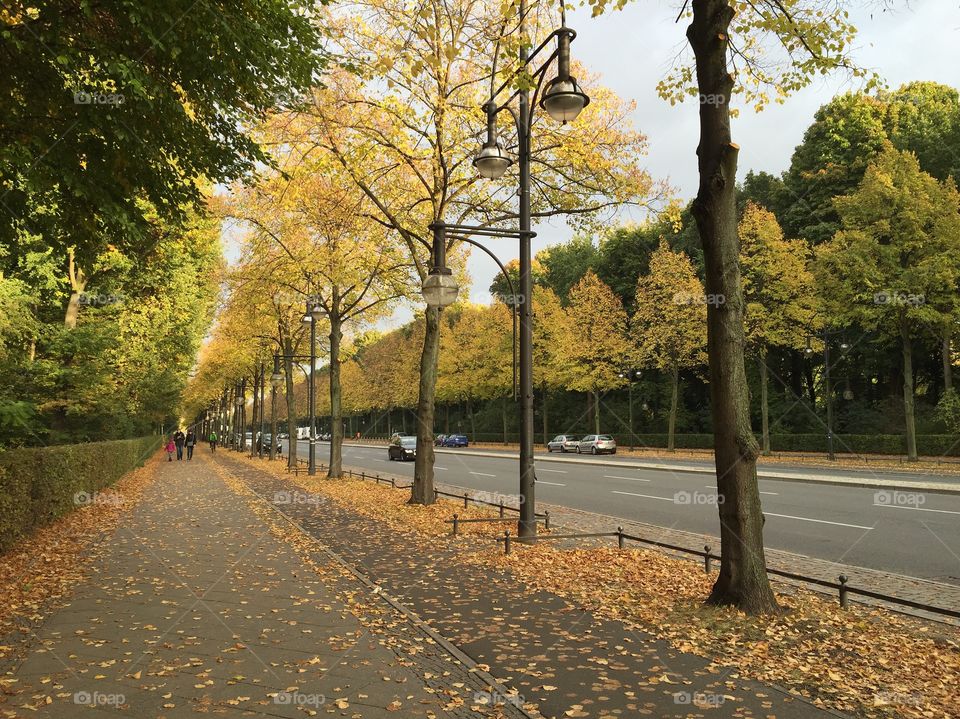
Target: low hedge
39,484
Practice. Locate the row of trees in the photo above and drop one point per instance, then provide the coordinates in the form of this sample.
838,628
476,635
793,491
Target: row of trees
117,120
400,125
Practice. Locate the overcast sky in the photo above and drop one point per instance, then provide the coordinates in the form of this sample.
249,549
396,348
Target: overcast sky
632,50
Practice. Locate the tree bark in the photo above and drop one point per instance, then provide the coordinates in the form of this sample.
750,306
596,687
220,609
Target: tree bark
503,416
546,434
292,424
764,402
908,403
945,358
421,491
336,412
674,398
473,421
743,581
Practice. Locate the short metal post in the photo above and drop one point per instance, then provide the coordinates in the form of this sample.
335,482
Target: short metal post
501,509
456,524
707,559
506,541
378,480
393,482
466,499
843,591
546,518
436,494
620,537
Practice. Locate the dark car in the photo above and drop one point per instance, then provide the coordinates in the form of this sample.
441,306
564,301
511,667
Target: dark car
455,440
402,448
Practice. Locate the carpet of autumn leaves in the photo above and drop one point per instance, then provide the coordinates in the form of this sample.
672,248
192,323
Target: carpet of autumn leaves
46,564
868,662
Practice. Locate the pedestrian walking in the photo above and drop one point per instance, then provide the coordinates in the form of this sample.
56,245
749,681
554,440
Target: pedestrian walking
191,442
213,441
178,439
170,447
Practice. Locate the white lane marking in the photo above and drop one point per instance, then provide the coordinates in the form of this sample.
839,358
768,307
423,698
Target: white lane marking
555,484
558,471
443,468
713,486
818,521
648,496
483,474
918,509
632,479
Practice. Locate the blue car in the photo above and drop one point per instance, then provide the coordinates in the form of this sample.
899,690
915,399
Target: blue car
455,440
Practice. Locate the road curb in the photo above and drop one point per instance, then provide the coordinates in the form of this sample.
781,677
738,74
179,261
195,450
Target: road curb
906,486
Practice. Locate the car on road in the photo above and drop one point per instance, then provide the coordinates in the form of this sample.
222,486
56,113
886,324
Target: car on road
455,440
563,443
597,444
402,448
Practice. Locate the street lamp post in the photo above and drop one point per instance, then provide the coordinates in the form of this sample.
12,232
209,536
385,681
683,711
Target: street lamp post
563,100
825,336
311,317
276,381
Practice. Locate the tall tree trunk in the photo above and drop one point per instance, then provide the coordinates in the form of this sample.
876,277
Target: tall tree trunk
945,358
674,399
908,403
743,580
274,440
421,491
596,412
503,416
292,424
543,395
78,283
446,418
473,421
764,401
336,414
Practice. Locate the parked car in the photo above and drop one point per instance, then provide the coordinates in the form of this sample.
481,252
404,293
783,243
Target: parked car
438,441
266,439
597,444
455,440
563,443
402,448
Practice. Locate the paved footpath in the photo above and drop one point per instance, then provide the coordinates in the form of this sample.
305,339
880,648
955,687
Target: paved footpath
194,607
561,657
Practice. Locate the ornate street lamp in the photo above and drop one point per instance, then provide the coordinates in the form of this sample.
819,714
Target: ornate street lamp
563,100
314,313
440,289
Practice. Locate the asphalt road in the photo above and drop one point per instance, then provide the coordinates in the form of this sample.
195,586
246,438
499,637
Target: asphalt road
915,534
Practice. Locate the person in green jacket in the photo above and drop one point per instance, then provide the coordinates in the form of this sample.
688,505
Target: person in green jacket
213,441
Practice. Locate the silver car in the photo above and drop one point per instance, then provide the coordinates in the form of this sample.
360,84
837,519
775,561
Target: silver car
597,444
563,443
